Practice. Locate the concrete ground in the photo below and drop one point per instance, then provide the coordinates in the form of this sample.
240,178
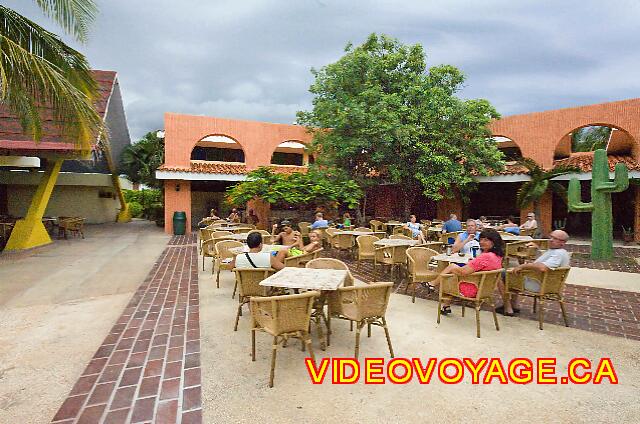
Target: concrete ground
235,388
57,303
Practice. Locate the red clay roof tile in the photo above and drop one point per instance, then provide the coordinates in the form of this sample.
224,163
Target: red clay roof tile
227,168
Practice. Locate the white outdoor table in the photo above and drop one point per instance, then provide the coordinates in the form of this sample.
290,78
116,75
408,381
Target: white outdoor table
395,242
444,259
356,233
509,238
394,224
265,248
322,280
238,237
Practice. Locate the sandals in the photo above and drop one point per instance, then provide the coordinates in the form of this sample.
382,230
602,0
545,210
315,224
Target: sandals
445,310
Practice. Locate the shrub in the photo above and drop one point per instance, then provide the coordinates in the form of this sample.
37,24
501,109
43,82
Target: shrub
135,209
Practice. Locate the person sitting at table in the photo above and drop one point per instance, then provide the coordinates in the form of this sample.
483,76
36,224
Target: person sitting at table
510,226
256,258
482,223
320,222
555,257
346,220
207,219
298,248
416,229
234,216
286,236
530,223
468,239
490,259
452,225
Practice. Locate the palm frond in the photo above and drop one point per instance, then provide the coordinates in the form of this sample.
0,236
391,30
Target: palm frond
74,16
42,78
559,189
532,166
561,170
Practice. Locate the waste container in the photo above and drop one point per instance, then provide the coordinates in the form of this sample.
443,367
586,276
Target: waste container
179,223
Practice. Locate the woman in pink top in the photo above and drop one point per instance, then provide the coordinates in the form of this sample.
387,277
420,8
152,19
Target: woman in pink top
490,259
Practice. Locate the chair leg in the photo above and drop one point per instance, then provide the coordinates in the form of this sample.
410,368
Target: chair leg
478,321
218,278
358,328
274,349
564,313
328,321
413,295
541,313
462,309
350,325
386,333
439,306
495,317
253,344
369,330
307,341
535,302
235,287
235,328
203,262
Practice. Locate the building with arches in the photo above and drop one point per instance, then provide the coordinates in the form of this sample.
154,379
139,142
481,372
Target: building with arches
206,155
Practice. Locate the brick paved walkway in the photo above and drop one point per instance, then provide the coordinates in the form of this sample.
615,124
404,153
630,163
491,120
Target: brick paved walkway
606,311
623,261
148,367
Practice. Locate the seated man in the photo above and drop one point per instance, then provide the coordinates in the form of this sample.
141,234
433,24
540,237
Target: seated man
320,222
256,258
510,226
234,216
468,239
452,225
530,223
416,229
213,216
286,237
555,257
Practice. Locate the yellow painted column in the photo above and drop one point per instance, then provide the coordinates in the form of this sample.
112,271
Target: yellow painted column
30,232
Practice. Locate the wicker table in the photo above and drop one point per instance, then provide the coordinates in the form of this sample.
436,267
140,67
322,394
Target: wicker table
444,260
395,242
322,280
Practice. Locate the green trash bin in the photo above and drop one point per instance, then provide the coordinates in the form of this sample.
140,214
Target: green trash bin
179,223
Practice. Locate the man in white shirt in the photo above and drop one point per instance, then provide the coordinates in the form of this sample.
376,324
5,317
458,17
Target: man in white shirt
256,258
530,223
555,257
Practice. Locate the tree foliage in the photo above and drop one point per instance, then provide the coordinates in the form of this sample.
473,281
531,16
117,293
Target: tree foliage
140,160
590,139
298,189
41,75
530,192
391,119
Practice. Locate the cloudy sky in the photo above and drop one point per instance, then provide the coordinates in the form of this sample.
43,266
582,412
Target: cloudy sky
251,59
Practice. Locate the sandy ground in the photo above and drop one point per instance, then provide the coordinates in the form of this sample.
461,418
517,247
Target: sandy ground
56,306
235,388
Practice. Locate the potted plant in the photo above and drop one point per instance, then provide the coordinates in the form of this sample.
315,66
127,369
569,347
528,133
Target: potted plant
627,234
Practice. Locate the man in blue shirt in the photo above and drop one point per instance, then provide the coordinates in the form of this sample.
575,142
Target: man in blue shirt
452,225
320,222
467,240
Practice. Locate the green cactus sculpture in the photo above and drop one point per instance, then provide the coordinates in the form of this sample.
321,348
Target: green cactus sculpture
600,205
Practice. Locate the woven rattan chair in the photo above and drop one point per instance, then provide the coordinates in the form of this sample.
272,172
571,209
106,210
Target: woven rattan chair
363,229
301,260
366,250
380,234
400,237
394,256
267,237
528,231
378,226
248,283
343,242
486,282
303,226
329,234
282,317
418,259
362,305
330,263
551,287
435,245
519,250
224,257
208,249
444,237
205,234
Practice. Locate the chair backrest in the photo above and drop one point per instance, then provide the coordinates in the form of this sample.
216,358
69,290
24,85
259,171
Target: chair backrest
249,279
543,244
434,245
553,280
283,314
400,237
446,237
418,258
425,222
343,241
205,234
399,254
360,302
330,263
528,231
365,244
393,221
485,280
398,230
304,227
515,247
331,231
218,234
222,248
377,225
380,234
362,229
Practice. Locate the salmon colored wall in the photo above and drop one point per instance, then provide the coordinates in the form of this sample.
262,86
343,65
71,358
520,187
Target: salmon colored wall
258,139
537,134
176,201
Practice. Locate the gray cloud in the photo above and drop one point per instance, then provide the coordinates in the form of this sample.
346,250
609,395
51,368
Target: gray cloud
251,59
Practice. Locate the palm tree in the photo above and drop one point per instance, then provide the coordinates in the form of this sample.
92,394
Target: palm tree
541,181
42,76
139,161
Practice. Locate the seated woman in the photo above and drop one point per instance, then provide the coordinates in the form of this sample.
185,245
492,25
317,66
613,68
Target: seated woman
490,259
298,248
510,226
416,229
213,216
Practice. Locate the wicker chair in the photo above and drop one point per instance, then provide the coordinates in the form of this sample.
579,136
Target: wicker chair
329,234
444,237
248,283
208,249
551,286
378,226
435,245
205,234
486,282
267,237
330,263
380,234
223,257
394,256
418,259
75,226
301,260
400,237
343,242
366,249
303,226
282,317
528,231
522,253
363,229
362,305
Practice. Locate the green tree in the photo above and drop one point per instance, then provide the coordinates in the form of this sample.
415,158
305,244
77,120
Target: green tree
530,192
40,74
590,139
140,160
299,190
393,120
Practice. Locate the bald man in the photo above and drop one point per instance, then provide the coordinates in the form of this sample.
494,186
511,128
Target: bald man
555,257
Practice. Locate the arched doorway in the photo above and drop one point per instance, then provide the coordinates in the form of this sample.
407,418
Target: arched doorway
290,152
218,148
